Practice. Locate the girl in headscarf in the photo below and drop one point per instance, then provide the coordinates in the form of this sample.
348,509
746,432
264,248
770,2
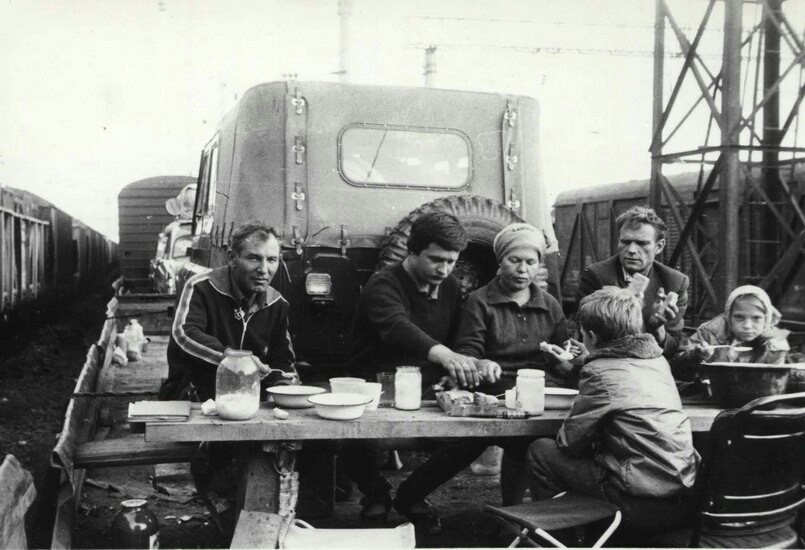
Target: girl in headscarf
748,325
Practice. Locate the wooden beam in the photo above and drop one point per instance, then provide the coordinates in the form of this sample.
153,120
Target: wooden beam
130,451
257,530
570,244
586,232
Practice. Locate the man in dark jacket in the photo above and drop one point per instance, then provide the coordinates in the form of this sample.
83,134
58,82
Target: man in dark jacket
641,239
231,306
406,314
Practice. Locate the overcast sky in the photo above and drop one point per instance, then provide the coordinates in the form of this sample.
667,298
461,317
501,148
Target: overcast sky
97,93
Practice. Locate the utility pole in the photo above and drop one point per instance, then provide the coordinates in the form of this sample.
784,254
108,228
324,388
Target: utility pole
430,66
766,227
730,185
655,193
344,17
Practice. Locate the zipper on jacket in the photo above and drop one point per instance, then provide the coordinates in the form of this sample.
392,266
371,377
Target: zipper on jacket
245,321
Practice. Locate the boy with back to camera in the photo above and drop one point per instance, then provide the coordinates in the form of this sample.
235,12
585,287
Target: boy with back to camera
626,439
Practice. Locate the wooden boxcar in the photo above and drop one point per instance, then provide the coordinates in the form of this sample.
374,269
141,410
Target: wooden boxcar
45,255
142,216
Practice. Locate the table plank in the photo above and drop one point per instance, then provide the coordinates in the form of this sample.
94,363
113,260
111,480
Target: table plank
427,422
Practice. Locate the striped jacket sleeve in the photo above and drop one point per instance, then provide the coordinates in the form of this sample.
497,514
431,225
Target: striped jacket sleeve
190,325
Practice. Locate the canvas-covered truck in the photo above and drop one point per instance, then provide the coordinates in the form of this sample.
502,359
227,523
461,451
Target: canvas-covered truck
341,171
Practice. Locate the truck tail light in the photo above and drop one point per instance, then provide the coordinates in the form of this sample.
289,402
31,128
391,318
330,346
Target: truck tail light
318,284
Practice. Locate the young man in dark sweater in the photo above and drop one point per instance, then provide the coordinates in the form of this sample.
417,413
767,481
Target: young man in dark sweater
405,315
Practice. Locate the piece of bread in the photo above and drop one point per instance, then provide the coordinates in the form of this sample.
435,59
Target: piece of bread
483,400
459,396
563,354
671,299
639,284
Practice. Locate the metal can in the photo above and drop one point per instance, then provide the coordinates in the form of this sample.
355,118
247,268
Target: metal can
135,526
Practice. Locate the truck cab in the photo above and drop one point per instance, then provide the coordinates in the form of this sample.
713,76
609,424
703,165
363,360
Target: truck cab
340,171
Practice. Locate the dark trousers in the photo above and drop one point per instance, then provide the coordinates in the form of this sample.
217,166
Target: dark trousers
552,471
454,456
361,464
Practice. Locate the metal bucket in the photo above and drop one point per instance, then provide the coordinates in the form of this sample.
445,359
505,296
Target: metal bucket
736,384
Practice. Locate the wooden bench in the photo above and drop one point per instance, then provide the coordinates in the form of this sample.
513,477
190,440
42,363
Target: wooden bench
131,450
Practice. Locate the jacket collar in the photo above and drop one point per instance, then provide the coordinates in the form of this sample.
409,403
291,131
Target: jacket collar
221,281
638,346
431,291
496,295
621,272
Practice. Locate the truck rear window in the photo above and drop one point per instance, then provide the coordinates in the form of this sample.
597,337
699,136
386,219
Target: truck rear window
376,155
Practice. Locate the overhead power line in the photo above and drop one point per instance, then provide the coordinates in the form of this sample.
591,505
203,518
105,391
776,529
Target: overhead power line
556,50
550,23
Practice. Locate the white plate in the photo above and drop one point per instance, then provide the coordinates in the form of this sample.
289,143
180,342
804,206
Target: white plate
559,398
294,397
340,406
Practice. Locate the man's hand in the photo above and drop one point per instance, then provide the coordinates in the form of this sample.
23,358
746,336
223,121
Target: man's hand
265,370
664,309
489,370
461,367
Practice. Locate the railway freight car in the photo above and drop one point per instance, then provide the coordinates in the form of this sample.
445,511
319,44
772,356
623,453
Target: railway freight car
587,233
45,254
142,216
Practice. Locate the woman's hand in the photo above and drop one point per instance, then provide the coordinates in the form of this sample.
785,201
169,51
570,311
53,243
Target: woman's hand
489,370
557,352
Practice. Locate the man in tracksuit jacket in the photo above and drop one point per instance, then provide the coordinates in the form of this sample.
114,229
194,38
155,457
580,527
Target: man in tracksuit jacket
231,306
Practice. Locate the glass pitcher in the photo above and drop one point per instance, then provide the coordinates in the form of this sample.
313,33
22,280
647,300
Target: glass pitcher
237,385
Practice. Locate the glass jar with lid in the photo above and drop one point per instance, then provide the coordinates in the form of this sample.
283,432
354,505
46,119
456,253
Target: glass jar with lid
237,385
408,388
531,391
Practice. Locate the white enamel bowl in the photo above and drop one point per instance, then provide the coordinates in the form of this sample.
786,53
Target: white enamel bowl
294,397
559,398
340,406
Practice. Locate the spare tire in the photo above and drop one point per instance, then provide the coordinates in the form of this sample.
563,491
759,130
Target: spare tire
482,217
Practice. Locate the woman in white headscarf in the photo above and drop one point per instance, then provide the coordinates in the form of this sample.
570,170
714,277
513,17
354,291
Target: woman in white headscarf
748,325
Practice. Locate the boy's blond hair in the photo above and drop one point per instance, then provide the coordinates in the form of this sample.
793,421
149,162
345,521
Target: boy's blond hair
611,313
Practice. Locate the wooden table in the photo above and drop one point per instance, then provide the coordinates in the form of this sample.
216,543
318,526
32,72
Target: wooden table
384,423
269,469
